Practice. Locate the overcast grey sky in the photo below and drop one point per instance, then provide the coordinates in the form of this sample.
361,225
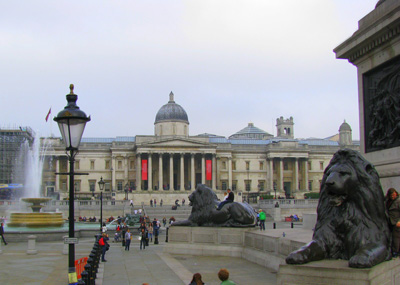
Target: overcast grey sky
228,62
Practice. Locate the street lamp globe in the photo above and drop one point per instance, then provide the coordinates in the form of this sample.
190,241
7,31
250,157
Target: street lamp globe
72,122
101,184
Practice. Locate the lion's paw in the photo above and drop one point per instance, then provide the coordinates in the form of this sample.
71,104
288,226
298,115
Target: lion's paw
360,261
296,257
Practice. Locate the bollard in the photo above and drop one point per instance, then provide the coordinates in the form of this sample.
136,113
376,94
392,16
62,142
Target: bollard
166,236
94,264
85,277
95,258
88,275
92,270
156,237
97,237
31,245
291,225
274,225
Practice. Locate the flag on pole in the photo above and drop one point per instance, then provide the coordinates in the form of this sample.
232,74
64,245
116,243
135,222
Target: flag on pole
48,114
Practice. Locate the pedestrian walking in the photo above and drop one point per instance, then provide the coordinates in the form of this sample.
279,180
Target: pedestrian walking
2,233
128,238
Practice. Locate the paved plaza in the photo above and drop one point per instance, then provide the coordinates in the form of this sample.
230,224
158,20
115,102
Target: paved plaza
49,265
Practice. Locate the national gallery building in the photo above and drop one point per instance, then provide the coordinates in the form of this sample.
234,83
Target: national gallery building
169,164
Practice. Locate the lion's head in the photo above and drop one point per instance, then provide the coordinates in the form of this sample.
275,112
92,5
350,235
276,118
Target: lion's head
350,180
202,196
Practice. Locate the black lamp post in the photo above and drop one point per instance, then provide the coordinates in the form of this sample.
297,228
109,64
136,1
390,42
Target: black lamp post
71,122
101,186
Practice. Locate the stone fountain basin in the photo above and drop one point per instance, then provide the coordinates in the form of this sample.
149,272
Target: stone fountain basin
36,220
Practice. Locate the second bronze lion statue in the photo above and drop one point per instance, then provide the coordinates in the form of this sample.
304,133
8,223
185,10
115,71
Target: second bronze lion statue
203,201
352,221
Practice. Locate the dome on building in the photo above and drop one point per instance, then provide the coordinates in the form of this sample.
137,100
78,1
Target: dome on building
344,127
251,132
171,112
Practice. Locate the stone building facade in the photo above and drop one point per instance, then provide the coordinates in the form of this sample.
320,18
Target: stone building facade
169,164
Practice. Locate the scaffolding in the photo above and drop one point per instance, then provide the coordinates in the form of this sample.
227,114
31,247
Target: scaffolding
11,140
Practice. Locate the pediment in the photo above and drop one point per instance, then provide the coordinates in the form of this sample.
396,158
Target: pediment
180,142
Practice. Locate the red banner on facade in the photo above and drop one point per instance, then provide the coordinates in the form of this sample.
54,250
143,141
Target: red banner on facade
144,169
208,170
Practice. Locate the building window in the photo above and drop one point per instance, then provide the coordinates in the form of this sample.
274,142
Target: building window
107,186
92,164
321,165
107,164
247,184
92,186
119,164
261,185
132,164
119,185
77,164
223,186
310,185
132,185
309,165
234,185
64,185
233,165
223,165
77,186
261,165
247,165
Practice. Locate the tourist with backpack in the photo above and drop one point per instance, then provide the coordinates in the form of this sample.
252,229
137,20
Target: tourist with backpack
104,246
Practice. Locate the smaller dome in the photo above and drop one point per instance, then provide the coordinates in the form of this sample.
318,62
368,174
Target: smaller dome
251,132
171,112
344,127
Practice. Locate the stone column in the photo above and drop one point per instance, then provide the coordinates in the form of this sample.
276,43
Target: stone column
138,172
171,171
182,172
57,176
160,171
214,171
296,174
271,173
230,172
280,185
126,166
150,173
192,172
203,168
113,180
306,174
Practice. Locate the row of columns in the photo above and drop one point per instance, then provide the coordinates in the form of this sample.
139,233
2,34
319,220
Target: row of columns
171,170
295,181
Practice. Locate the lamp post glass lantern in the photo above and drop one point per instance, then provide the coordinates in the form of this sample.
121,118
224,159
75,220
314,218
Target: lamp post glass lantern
101,187
72,122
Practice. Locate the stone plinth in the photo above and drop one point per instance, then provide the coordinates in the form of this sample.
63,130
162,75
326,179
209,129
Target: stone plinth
338,272
375,49
209,241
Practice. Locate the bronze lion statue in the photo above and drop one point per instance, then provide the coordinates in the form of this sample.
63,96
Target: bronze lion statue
204,214
352,220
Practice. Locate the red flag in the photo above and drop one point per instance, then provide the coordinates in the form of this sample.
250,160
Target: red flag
208,169
144,169
48,114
